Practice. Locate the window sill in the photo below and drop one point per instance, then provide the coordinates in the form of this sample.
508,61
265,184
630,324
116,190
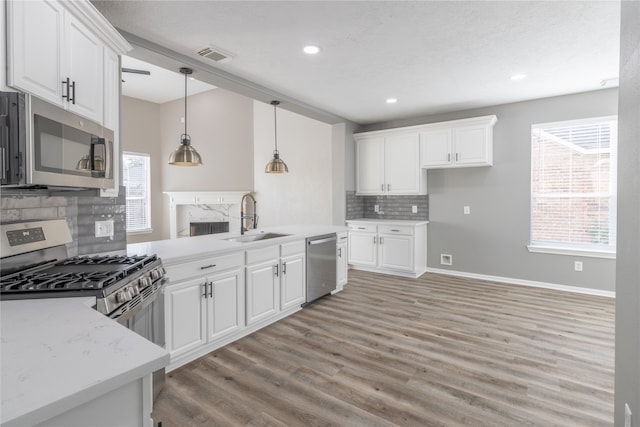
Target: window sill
143,231
572,252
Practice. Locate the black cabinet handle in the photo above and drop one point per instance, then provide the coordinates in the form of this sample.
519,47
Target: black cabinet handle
207,266
73,92
67,83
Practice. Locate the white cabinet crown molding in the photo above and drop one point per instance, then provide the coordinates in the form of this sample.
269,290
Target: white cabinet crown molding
489,120
91,17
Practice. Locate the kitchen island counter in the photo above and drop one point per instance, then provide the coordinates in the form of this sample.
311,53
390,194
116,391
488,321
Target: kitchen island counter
188,248
59,354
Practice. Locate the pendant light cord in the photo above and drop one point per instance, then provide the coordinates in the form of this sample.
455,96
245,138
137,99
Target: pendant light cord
275,126
185,104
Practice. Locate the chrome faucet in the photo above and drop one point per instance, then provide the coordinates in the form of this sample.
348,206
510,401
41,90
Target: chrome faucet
254,217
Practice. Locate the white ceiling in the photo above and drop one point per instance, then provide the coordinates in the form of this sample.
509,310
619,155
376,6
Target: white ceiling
160,86
433,56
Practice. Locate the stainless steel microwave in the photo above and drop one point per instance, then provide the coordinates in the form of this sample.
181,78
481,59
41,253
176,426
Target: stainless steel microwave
44,145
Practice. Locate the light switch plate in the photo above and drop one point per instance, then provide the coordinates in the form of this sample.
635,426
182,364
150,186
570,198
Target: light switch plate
467,210
104,228
414,209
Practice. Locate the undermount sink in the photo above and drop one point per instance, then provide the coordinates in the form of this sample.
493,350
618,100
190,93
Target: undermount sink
255,237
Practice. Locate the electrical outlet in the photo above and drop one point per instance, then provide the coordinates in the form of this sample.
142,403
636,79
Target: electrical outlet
627,415
577,265
376,208
104,228
467,210
414,209
446,259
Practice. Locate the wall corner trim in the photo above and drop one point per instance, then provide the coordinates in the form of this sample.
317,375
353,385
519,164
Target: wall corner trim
522,282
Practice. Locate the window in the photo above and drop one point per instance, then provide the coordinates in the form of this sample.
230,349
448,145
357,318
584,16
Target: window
573,186
137,179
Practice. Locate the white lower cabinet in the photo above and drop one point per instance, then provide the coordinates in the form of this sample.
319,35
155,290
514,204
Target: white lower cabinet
205,308
275,280
343,265
263,292
389,247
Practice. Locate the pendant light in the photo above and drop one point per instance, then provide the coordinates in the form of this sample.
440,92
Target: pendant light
185,154
276,165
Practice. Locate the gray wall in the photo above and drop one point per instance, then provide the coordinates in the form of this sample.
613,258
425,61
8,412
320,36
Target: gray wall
343,155
492,240
140,133
220,124
627,384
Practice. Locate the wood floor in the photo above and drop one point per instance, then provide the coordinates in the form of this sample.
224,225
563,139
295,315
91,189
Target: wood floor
436,351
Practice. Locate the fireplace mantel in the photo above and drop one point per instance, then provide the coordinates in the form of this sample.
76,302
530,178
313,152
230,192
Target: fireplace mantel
184,199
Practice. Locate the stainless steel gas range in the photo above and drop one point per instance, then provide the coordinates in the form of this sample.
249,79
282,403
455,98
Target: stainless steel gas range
128,289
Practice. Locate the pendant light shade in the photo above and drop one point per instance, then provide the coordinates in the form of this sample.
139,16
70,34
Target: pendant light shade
276,165
185,154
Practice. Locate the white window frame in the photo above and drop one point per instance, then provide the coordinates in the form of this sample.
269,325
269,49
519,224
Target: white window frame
148,228
577,250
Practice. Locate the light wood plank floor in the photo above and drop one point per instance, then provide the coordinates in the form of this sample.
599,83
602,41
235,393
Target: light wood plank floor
436,351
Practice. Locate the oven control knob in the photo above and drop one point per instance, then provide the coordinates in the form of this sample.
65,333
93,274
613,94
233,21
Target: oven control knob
155,274
134,290
123,296
144,282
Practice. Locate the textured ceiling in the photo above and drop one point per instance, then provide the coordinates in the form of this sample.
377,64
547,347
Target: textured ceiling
433,56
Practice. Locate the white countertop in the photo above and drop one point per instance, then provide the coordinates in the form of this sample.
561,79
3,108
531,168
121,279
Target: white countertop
189,248
390,221
58,353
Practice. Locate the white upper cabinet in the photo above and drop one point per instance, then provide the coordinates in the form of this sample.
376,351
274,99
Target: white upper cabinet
84,54
388,164
34,48
56,51
458,143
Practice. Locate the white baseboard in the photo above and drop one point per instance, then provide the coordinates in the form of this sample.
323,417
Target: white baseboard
576,289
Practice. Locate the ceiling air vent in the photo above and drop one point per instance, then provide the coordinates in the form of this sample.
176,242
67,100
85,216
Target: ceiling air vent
214,54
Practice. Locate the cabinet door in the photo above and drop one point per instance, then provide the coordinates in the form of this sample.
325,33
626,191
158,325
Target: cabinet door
342,267
263,291
34,48
436,148
186,316
471,146
370,166
396,252
362,248
226,306
84,58
402,164
292,281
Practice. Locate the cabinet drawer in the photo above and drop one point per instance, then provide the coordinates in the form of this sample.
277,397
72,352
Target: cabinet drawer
363,227
396,229
203,267
292,248
342,237
264,254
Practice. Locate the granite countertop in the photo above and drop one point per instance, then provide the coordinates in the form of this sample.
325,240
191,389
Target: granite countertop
189,248
390,221
58,353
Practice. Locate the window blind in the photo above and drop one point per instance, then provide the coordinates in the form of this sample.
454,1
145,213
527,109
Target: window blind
137,180
573,184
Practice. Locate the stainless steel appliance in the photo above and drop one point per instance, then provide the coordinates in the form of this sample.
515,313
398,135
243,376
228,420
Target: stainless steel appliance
321,266
128,289
43,145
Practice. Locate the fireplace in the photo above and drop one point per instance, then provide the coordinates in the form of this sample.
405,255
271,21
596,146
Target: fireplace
211,227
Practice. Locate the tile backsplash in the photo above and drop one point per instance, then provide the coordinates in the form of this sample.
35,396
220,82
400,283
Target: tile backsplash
390,207
81,209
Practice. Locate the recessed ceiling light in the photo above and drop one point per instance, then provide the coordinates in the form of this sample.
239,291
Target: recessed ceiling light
518,76
311,50
391,100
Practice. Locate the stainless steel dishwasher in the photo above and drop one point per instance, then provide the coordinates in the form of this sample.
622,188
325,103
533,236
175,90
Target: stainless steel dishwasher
321,266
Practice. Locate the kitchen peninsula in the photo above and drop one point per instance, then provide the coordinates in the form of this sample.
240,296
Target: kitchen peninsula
224,286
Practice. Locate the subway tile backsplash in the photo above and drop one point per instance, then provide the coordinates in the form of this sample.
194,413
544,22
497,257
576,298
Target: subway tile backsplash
81,209
390,207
